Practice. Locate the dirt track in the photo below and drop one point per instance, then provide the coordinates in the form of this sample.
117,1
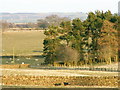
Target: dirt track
37,72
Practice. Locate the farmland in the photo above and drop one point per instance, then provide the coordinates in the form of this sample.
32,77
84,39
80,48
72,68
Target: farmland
34,60
27,47
23,43
48,78
59,47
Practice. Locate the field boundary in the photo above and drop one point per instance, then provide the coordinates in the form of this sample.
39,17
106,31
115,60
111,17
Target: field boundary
73,68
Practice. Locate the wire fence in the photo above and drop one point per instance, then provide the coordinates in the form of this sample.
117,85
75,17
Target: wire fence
88,68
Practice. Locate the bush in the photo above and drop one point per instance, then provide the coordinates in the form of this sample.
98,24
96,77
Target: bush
68,55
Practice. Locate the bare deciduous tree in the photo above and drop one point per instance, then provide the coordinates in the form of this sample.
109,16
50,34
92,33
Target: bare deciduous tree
67,54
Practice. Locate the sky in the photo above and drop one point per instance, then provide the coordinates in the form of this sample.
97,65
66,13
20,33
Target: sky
41,6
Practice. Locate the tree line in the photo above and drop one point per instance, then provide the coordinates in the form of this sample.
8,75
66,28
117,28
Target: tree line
76,42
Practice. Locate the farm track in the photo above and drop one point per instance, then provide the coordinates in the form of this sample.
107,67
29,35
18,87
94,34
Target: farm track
37,72
34,72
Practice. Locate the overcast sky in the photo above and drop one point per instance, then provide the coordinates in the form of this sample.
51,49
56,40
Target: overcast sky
37,6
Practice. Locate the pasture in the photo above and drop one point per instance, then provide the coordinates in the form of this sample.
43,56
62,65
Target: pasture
34,60
22,43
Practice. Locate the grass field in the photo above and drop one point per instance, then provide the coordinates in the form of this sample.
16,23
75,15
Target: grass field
22,43
34,60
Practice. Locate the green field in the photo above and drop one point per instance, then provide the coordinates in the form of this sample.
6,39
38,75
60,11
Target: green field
22,43
34,60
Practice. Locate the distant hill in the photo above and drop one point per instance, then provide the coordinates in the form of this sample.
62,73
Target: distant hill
33,17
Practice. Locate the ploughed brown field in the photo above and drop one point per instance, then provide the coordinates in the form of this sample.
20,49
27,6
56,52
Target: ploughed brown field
50,78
